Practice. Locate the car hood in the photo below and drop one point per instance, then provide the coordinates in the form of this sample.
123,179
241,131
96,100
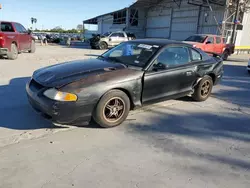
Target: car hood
65,73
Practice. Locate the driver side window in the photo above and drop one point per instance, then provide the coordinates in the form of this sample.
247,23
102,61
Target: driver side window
173,57
115,35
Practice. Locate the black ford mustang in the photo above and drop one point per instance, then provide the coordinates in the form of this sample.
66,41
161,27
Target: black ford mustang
124,78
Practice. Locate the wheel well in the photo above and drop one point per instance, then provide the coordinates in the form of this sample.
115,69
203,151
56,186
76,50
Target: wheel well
104,42
129,96
14,42
212,76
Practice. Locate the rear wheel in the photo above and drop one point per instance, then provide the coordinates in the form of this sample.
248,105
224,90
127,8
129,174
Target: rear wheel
32,47
13,53
203,89
103,45
112,109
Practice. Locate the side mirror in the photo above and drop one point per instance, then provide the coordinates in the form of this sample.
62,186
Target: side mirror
208,42
29,32
159,66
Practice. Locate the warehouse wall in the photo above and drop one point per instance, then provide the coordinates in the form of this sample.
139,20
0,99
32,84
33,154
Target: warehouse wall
139,30
243,37
207,24
167,20
105,24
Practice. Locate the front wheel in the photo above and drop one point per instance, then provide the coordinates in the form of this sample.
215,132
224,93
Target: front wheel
112,109
32,47
103,45
203,89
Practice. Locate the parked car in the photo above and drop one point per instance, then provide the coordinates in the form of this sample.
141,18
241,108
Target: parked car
211,43
248,66
14,39
124,78
110,39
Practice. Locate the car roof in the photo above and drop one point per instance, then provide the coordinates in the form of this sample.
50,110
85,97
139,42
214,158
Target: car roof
161,42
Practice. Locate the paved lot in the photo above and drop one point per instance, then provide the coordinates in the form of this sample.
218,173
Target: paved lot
178,143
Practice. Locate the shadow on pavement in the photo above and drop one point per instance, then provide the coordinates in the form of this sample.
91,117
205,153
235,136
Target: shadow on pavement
15,111
235,85
167,128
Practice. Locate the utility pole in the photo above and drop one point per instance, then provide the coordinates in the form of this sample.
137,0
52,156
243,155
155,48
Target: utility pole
234,21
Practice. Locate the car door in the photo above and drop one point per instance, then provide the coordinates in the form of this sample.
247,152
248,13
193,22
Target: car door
122,38
171,74
21,37
218,45
114,39
26,37
209,44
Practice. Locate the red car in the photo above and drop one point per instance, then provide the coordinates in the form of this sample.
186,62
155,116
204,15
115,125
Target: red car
211,43
14,39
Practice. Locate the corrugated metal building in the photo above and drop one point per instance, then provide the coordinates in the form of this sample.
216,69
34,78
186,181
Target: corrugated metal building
171,19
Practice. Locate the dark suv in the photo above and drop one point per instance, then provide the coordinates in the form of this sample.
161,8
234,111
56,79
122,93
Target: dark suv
14,39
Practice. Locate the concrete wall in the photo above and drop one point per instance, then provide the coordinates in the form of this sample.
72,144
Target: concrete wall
243,37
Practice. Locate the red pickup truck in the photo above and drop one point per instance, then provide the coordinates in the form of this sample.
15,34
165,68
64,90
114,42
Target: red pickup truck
14,39
211,43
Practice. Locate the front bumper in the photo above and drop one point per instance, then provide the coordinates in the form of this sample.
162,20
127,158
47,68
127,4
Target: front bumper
3,51
70,113
94,44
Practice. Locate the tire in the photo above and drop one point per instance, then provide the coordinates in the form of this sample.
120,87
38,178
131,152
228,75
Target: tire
13,53
32,47
103,46
225,55
107,113
203,89
93,47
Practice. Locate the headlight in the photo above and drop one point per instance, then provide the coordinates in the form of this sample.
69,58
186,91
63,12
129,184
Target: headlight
59,95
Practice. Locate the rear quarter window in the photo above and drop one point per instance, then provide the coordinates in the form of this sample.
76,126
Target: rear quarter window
195,55
218,40
7,27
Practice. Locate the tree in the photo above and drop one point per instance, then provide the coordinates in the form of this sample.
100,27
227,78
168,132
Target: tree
33,20
79,27
57,29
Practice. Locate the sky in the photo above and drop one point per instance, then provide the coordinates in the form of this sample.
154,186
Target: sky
51,13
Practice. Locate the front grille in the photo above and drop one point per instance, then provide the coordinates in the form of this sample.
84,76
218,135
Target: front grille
34,86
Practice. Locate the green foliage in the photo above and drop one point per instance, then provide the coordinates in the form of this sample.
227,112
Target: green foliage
59,30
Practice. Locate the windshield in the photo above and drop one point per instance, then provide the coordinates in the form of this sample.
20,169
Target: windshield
196,38
130,53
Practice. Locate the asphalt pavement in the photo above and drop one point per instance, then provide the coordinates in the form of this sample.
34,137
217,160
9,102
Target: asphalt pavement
178,143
